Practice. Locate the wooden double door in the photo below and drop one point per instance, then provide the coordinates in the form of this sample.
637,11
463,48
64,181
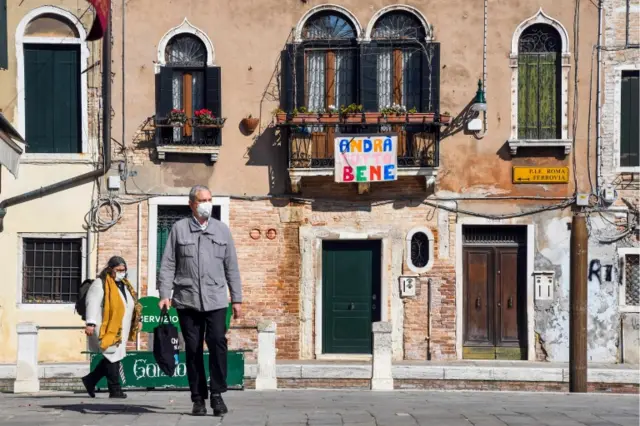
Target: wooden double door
495,303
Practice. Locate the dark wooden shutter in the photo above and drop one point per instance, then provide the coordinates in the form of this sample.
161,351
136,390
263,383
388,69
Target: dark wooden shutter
4,44
300,76
52,98
164,93
629,117
369,77
286,78
213,97
430,87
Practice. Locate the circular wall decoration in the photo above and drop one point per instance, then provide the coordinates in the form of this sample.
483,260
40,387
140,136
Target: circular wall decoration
254,234
271,234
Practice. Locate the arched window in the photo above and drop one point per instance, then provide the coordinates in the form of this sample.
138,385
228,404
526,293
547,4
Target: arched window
402,60
52,103
419,250
330,55
539,83
187,82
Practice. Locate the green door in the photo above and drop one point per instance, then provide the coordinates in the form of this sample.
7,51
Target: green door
52,98
350,295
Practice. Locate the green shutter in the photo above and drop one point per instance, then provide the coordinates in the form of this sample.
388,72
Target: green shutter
52,98
538,96
4,43
629,118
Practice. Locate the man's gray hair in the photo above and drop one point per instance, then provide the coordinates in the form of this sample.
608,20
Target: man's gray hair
194,192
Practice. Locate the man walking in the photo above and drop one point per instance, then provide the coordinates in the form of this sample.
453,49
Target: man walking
198,264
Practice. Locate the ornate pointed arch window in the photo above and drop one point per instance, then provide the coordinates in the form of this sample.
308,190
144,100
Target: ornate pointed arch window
539,67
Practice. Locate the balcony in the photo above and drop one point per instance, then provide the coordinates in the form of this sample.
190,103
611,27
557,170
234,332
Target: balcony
311,149
189,137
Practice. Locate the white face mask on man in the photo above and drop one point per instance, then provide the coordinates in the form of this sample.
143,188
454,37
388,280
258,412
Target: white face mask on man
204,210
121,276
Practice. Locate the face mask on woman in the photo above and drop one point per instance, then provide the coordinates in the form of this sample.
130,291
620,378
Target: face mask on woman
121,276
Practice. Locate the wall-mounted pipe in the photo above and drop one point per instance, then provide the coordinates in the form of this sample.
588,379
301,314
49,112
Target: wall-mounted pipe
106,141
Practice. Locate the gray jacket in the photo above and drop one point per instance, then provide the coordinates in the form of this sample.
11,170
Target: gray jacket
199,266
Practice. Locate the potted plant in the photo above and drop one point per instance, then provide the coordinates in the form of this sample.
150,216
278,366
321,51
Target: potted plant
331,115
281,116
250,123
177,116
395,113
445,117
351,113
204,117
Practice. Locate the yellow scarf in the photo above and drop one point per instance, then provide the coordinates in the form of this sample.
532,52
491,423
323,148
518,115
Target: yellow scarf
113,313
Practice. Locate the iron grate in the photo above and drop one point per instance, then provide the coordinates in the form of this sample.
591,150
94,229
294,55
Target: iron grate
420,249
632,279
490,235
51,270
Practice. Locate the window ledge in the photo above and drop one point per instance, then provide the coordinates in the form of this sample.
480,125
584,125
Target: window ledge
514,144
296,175
625,309
46,306
628,170
212,151
56,158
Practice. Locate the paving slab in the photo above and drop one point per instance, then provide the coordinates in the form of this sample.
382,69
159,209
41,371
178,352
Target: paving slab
326,408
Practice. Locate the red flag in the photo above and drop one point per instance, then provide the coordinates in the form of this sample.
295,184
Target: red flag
102,7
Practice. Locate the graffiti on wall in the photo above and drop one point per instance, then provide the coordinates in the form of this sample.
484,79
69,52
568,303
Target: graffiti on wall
596,270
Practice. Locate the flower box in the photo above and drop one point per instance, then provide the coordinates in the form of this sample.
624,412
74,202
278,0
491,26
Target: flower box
445,118
420,117
352,118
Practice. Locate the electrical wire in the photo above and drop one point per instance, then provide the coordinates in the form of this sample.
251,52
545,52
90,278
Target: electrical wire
95,218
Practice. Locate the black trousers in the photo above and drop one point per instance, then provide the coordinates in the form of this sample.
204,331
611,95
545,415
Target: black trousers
108,369
198,327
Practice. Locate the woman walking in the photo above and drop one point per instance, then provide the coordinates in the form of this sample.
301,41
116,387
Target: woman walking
113,317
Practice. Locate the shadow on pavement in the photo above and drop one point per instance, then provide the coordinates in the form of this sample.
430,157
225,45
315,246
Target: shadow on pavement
107,408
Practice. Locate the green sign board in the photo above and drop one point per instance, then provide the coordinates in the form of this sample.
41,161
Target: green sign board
139,370
150,317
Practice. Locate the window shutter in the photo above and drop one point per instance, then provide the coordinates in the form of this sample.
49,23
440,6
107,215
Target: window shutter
629,115
213,99
430,92
369,77
164,93
300,76
286,78
4,45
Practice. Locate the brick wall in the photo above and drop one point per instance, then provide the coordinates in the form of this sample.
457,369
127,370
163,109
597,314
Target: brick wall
270,268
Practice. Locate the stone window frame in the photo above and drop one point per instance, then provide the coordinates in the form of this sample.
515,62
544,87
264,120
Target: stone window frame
617,116
19,285
408,259
20,40
622,257
564,142
184,28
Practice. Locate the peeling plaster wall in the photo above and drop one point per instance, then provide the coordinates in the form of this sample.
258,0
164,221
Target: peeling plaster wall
552,317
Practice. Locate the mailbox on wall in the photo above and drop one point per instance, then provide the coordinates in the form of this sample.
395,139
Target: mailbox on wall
408,286
543,284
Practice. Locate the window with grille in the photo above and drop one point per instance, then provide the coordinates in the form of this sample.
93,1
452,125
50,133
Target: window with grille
631,279
539,83
629,116
419,250
51,270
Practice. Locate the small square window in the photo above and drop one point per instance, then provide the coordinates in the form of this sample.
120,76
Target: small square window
51,270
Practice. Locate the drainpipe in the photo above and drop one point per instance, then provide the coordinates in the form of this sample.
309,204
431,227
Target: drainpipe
429,319
598,101
139,263
106,141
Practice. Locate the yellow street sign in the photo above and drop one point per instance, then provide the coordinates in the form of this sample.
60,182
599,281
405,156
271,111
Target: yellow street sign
540,174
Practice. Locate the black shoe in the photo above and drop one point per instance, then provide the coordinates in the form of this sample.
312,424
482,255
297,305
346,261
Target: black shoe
199,409
91,389
218,405
116,392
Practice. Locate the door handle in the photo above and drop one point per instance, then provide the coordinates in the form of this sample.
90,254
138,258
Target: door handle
373,307
510,303
478,302
351,306
499,304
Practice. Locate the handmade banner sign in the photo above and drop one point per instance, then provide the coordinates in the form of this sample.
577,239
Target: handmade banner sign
366,158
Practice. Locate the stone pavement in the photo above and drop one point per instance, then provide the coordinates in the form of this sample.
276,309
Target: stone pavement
326,408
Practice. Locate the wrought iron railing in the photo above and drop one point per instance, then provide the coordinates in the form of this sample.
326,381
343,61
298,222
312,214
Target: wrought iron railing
313,146
189,133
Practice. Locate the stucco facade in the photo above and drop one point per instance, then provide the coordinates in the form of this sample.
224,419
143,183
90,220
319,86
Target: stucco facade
280,227
59,216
